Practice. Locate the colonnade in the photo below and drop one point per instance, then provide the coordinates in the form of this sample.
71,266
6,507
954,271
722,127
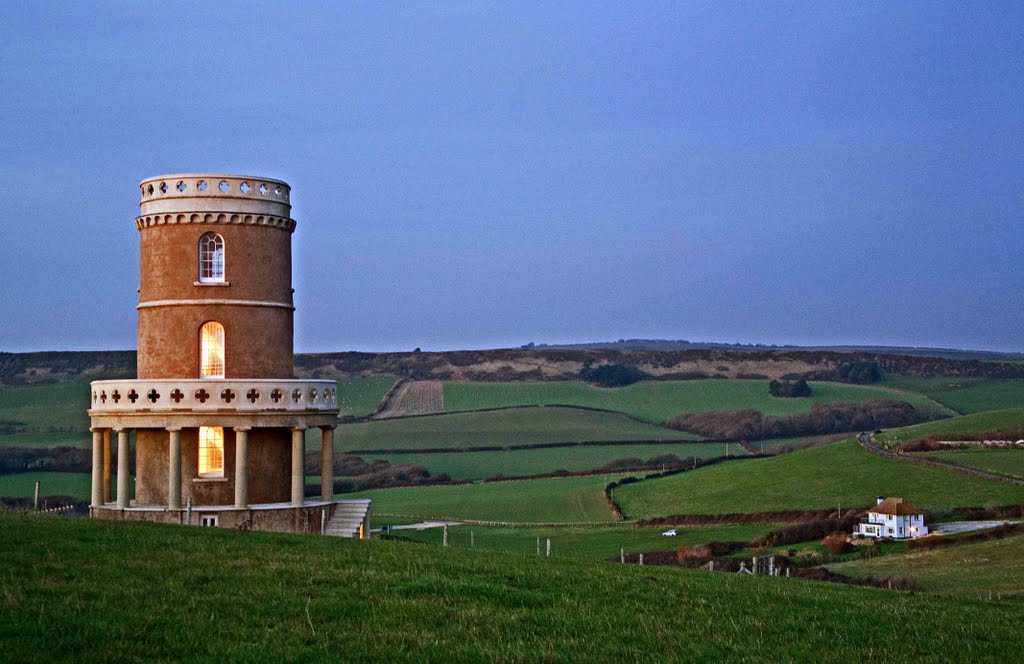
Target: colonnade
101,467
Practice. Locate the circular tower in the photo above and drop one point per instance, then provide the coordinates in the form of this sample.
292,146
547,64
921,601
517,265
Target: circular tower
217,415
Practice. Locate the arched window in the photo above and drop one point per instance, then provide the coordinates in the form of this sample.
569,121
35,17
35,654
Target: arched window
211,350
211,258
211,451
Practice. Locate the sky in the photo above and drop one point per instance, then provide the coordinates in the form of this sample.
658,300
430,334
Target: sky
479,175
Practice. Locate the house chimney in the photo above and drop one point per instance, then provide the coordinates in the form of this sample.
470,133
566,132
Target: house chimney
881,499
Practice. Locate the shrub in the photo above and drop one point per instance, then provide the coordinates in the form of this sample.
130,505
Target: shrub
611,375
860,372
786,388
836,543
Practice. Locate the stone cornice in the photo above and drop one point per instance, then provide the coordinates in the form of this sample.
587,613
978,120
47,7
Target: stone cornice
237,218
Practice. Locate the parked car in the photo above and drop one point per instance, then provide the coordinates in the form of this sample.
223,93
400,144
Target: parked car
669,533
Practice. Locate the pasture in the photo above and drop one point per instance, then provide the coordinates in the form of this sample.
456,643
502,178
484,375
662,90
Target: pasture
67,589
558,500
502,428
964,395
481,465
964,426
22,485
588,543
1008,462
44,415
969,569
359,395
660,401
842,474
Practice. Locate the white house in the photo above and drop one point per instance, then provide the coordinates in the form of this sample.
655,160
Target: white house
892,518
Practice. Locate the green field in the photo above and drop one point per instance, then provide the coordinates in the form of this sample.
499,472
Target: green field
560,500
108,591
660,401
964,395
481,465
517,426
820,478
590,543
359,395
1008,462
969,569
51,415
22,485
978,422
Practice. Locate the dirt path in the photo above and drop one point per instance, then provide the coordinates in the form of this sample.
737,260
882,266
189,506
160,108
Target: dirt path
415,397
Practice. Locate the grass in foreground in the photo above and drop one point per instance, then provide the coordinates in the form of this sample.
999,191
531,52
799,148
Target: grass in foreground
659,401
115,591
820,478
481,465
964,395
969,569
560,500
590,543
519,426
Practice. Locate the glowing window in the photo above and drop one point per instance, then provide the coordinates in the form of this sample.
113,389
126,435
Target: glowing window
211,350
211,258
211,452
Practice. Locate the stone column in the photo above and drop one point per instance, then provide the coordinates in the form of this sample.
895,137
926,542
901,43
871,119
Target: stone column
327,463
122,468
97,468
174,469
241,467
298,462
108,480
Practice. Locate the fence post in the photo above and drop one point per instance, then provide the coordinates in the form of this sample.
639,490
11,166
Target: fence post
35,501
641,559
622,556
323,521
188,512
549,546
472,541
444,535
538,546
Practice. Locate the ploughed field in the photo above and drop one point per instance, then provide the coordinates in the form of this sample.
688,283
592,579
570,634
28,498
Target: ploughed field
191,593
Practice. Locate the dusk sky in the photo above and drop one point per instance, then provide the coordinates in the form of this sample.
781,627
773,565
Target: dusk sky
490,174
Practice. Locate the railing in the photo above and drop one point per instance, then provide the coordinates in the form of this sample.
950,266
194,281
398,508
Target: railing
244,396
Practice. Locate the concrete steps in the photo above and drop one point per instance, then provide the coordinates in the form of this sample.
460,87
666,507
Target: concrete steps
348,516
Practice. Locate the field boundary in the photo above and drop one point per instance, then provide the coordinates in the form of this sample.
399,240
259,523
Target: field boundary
533,446
867,442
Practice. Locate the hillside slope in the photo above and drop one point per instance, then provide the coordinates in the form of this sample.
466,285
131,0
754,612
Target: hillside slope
114,591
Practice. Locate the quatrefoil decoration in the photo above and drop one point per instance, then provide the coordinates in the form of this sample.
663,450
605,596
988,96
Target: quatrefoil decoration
202,395
253,395
227,395
312,394
276,395
115,395
296,395
177,395
133,396
153,395
103,396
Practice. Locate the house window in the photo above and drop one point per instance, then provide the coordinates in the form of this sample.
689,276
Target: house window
211,452
211,350
211,258
209,521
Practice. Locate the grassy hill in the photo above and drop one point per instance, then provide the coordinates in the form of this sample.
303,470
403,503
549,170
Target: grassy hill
511,463
519,426
821,478
659,401
560,500
971,569
968,424
1008,462
964,395
97,591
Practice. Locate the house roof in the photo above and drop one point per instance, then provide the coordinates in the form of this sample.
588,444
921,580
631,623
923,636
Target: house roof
895,507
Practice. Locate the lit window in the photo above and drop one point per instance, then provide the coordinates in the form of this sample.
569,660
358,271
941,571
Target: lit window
211,452
211,350
211,258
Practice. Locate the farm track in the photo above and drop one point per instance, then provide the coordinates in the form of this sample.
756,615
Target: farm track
868,444
415,397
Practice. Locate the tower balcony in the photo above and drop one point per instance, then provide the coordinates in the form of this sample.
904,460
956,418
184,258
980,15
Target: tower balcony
198,402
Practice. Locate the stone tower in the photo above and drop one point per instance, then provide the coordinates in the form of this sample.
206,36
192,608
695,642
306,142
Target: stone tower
218,418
